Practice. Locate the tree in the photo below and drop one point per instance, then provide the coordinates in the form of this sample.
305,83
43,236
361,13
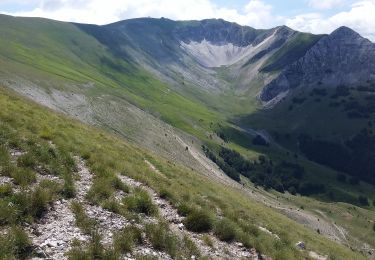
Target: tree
341,178
363,201
259,140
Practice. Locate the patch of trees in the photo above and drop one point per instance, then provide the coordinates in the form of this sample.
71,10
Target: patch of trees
319,92
365,89
297,100
363,200
357,110
225,167
324,152
259,140
355,157
222,136
341,91
282,176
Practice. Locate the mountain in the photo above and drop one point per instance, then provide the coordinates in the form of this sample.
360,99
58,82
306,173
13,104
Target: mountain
284,118
341,58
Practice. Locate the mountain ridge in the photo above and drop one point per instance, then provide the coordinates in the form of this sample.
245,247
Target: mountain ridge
164,87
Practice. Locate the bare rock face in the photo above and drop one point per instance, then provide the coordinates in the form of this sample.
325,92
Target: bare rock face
341,58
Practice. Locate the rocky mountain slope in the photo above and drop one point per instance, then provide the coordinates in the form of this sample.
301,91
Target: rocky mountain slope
341,58
105,198
194,92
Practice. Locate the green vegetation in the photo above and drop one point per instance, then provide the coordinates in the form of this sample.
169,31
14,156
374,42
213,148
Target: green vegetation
344,145
94,250
78,61
198,221
225,230
163,239
127,238
86,224
291,51
207,240
15,244
22,121
140,202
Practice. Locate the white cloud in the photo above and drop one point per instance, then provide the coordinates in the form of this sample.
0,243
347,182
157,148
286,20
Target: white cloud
360,17
256,13
325,4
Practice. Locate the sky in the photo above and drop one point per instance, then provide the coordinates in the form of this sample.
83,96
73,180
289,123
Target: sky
315,16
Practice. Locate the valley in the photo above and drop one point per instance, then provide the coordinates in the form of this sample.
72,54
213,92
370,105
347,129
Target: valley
213,120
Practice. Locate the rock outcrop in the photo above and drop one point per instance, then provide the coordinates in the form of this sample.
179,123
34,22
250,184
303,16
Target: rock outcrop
341,58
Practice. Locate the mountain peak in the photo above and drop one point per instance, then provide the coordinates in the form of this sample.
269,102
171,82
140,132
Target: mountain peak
345,32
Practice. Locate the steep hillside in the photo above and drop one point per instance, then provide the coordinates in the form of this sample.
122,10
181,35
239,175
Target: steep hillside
341,58
57,172
254,114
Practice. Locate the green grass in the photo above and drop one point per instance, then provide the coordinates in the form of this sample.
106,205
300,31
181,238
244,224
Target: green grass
62,53
198,221
85,223
93,250
162,238
225,230
140,202
291,51
15,244
22,121
127,238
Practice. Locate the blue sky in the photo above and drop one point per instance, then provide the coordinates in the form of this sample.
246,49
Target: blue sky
316,16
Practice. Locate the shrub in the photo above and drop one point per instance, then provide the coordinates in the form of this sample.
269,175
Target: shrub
165,194
27,160
353,181
95,247
10,215
363,201
85,223
39,201
140,202
4,161
20,242
15,244
184,209
207,240
126,239
119,185
225,230
93,251
198,221
189,248
68,189
112,205
5,190
23,176
161,238
100,190
341,178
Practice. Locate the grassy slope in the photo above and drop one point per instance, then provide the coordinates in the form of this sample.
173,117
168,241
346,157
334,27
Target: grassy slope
300,119
61,53
62,50
290,52
110,154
